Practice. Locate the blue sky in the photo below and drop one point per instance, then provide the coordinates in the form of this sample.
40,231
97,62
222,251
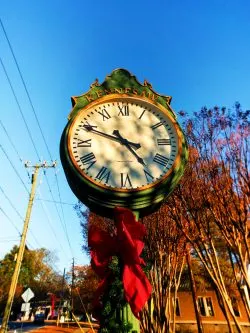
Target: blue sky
198,52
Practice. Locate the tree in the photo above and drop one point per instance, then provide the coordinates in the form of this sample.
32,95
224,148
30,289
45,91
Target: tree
209,210
85,285
211,204
164,254
36,273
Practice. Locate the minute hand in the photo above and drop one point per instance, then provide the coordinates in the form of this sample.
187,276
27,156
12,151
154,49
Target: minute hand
128,146
112,137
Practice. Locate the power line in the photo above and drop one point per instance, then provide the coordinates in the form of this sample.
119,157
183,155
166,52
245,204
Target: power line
38,123
19,106
6,238
21,181
15,149
11,142
25,87
9,219
10,202
19,215
50,222
3,150
62,222
9,241
21,249
58,202
59,194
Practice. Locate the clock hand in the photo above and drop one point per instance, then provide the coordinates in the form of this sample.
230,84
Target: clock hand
90,128
127,144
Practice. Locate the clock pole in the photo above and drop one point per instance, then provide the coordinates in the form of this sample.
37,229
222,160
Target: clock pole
127,314
109,112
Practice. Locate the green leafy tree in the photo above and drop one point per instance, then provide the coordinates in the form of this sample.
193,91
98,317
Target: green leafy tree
36,272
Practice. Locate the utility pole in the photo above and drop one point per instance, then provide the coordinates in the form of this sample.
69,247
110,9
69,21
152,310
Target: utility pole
72,284
19,259
63,282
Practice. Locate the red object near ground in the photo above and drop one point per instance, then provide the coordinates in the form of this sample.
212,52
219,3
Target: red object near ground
127,244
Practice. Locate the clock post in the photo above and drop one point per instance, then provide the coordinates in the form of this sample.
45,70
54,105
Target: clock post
123,147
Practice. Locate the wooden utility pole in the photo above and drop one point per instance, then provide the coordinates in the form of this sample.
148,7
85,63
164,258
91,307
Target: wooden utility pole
72,285
63,282
19,259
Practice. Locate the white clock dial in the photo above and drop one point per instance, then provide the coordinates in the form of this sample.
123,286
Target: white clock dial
123,143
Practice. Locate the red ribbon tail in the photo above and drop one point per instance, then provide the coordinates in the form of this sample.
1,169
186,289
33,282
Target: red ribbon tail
137,288
96,304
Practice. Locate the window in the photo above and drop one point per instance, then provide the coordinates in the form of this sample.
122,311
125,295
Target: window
235,306
205,306
177,307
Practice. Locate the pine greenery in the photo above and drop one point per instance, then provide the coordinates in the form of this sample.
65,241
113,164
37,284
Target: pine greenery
112,320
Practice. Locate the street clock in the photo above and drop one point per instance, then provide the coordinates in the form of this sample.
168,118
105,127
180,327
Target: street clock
122,146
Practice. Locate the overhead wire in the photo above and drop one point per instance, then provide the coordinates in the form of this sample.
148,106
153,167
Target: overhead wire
10,202
59,195
25,87
50,221
9,240
40,128
63,223
19,107
13,224
34,146
12,205
58,202
19,215
11,142
10,220
14,168
15,209
13,146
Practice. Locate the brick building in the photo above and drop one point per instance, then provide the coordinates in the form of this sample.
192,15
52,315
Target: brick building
212,317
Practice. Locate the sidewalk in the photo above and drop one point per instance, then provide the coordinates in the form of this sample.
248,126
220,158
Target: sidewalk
55,329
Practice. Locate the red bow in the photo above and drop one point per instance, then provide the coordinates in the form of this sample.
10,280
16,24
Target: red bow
128,245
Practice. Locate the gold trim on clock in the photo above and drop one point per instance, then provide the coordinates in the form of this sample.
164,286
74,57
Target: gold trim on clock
115,97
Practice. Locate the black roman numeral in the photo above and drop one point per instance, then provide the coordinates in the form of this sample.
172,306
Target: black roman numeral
163,142
88,159
124,110
125,180
142,114
105,115
157,125
87,126
103,173
84,143
149,177
161,159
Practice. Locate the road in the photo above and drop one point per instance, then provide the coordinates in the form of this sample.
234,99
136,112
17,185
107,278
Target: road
53,329
18,327
50,327
22,327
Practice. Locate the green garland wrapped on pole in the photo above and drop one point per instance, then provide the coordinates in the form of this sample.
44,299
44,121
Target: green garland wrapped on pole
116,259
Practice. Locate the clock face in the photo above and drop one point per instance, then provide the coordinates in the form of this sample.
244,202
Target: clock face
123,143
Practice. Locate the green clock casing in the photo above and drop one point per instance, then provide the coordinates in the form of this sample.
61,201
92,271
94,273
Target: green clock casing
123,149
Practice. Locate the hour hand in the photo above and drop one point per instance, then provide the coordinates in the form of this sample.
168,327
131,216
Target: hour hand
126,143
92,129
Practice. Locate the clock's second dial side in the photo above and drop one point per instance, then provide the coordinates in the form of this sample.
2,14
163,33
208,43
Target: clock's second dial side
123,145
